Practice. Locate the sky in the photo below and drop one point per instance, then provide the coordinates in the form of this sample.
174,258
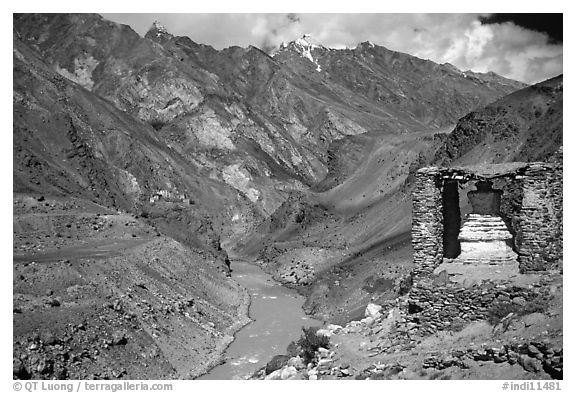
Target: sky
524,47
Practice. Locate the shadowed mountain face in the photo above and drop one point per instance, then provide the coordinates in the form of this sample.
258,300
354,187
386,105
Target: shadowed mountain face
71,142
523,126
305,150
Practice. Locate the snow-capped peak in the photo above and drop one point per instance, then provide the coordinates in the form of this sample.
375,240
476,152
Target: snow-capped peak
158,32
304,45
159,28
306,41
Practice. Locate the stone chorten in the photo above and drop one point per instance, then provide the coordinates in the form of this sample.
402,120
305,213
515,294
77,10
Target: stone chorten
484,237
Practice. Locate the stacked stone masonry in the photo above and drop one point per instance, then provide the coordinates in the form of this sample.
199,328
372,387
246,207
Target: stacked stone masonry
534,212
427,228
533,356
433,307
540,224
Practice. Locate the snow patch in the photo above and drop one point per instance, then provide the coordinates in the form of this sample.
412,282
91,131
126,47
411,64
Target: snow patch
159,28
305,46
306,40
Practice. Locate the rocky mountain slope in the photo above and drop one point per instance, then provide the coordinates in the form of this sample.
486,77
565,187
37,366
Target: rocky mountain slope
99,294
68,141
523,126
80,167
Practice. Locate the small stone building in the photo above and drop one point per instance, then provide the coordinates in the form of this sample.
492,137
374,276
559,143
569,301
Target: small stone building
521,202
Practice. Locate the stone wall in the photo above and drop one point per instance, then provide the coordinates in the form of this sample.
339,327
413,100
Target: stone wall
433,307
511,204
539,232
555,194
533,356
427,228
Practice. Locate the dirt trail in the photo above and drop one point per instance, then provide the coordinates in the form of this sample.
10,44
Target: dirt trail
96,249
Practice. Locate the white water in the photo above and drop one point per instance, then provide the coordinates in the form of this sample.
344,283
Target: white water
278,320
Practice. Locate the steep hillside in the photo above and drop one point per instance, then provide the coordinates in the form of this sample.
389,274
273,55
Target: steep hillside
99,294
69,141
523,126
95,295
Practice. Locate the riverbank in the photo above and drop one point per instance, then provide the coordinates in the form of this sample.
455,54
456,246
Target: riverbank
277,319
244,319
517,342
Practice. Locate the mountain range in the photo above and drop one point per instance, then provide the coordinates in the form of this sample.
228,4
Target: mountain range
254,125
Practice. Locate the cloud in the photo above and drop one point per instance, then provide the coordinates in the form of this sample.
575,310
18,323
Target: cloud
548,23
460,39
278,27
506,49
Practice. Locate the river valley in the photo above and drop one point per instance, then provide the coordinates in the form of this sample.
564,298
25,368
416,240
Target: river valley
277,317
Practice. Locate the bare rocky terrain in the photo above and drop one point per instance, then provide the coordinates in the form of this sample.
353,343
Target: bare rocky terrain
99,294
143,165
386,345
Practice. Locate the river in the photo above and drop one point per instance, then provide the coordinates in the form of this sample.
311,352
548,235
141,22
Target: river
277,317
